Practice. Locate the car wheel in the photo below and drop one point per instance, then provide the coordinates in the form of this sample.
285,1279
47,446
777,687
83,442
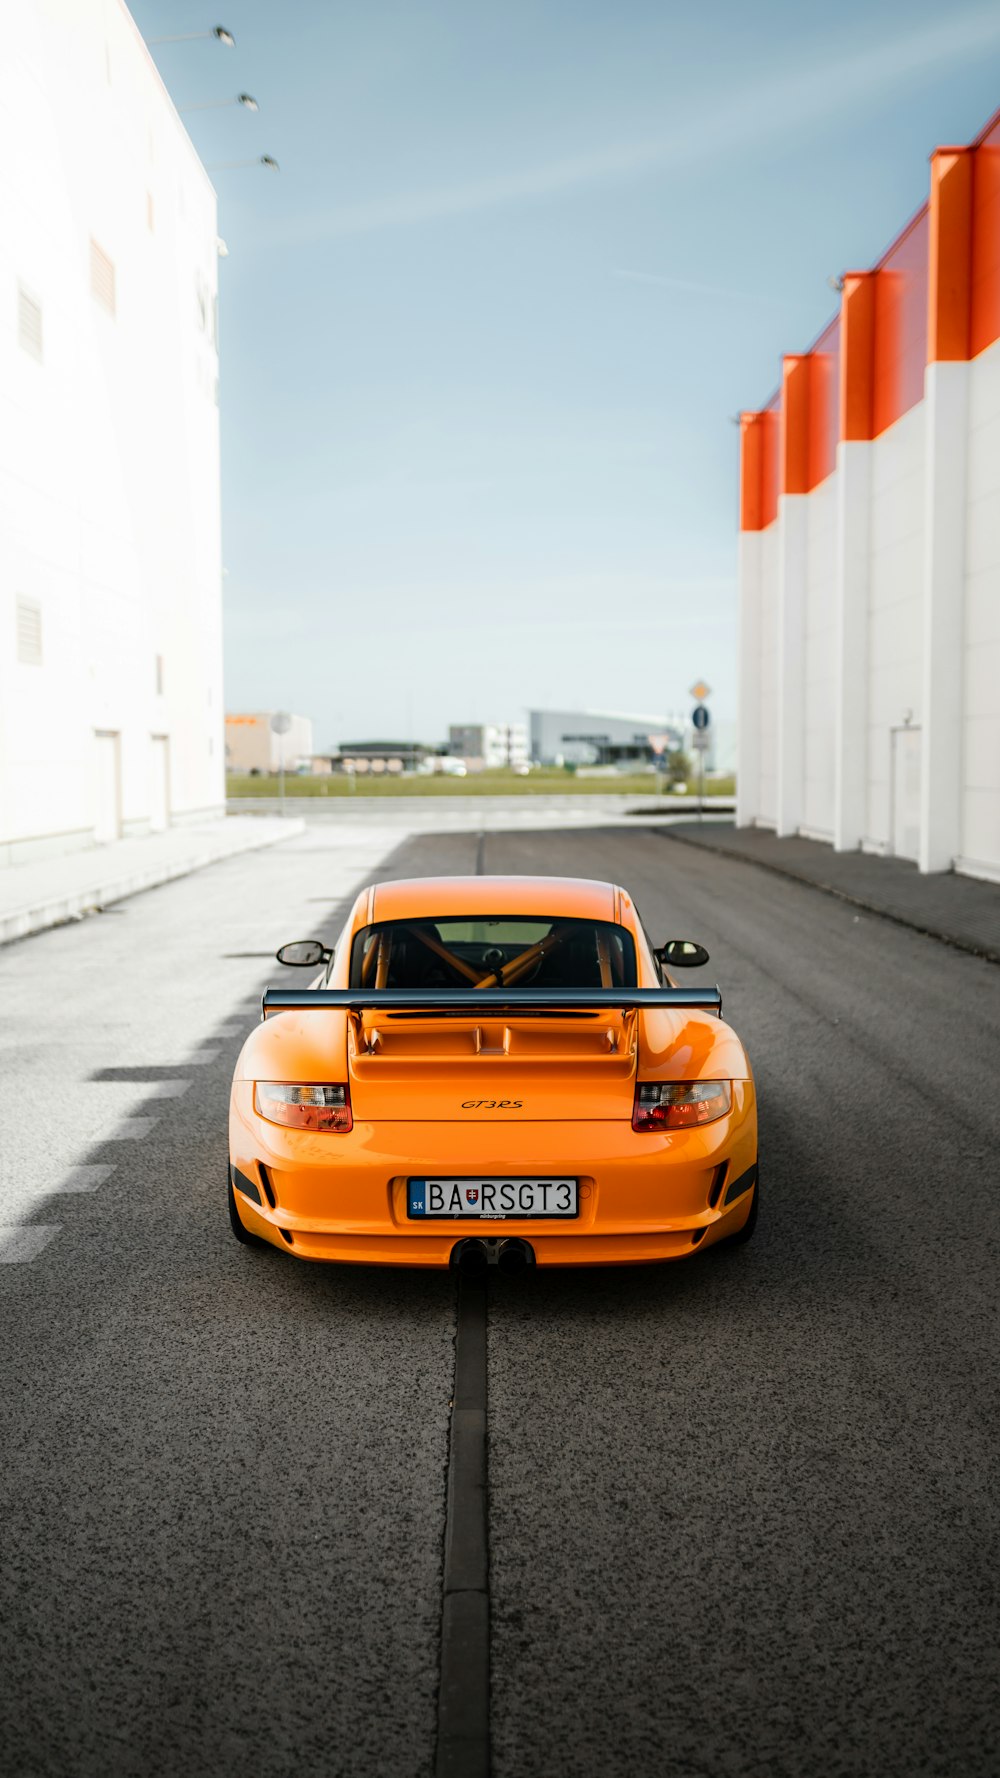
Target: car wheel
746,1232
242,1235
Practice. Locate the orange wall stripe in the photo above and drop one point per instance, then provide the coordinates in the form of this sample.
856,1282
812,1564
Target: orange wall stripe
985,305
934,295
751,444
901,324
824,403
857,355
795,379
759,468
949,282
770,463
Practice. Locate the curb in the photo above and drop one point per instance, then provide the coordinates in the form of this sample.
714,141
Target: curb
25,922
352,806
970,946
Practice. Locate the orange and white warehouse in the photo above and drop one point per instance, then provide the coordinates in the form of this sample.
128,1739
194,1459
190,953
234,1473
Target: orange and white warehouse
869,568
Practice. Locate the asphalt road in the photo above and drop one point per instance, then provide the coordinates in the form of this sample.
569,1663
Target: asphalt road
742,1509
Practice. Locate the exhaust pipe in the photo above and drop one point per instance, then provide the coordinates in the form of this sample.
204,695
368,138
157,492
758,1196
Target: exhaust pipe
471,1255
510,1255
514,1256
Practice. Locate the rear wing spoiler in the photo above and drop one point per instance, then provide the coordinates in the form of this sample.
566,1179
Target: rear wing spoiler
576,1002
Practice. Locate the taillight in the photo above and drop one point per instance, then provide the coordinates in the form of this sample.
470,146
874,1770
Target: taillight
305,1107
677,1104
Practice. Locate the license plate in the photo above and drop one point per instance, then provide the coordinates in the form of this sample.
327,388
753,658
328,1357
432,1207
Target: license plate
496,1199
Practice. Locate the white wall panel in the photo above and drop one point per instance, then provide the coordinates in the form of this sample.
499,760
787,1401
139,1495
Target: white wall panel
748,730
980,829
820,660
109,454
895,607
767,809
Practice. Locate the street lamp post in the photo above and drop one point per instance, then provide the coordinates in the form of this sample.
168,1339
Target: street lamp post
700,722
281,722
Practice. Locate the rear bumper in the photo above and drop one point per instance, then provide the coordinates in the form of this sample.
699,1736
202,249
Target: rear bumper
642,1197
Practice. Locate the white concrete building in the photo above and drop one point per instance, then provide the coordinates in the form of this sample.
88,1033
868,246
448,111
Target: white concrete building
110,590
494,743
870,551
601,737
252,745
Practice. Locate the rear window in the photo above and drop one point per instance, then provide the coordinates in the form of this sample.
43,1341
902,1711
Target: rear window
506,951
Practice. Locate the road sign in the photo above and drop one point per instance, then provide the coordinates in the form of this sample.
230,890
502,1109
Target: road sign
700,691
700,742
700,717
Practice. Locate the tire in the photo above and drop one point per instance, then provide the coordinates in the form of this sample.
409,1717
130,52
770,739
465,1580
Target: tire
746,1233
245,1238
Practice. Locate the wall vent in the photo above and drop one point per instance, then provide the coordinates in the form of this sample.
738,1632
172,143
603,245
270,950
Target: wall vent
29,323
102,277
29,633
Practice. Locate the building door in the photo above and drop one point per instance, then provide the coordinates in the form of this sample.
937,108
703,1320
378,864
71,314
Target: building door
906,757
159,783
107,788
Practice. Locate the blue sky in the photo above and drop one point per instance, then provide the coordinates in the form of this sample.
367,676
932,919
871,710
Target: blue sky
484,336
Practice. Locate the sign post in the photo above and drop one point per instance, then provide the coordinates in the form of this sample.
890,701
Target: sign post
658,743
700,721
281,722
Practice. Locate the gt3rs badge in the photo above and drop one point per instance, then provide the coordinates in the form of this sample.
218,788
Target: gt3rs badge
492,1104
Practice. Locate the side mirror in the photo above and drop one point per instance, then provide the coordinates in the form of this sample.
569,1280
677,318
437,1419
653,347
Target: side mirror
304,953
680,953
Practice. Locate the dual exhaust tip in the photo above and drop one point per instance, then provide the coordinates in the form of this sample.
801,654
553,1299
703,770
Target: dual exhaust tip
509,1255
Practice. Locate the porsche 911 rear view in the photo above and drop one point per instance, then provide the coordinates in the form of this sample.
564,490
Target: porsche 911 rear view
503,1054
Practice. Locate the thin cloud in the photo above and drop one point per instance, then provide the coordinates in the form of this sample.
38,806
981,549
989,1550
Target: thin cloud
688,285
826,86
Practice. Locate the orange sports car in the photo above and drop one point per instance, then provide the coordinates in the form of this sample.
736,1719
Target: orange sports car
493,1070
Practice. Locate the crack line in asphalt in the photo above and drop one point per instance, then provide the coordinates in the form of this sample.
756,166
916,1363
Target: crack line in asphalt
463,1717
463,1712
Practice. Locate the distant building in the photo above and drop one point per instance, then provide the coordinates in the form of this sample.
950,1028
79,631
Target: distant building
600,737
110,572
253,746
379,756
491,744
